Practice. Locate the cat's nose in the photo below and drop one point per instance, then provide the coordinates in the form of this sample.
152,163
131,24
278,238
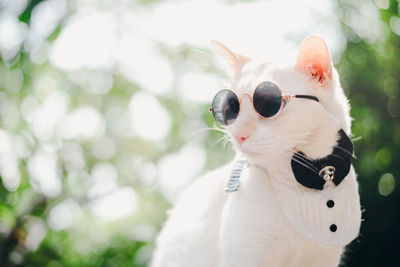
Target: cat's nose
240,139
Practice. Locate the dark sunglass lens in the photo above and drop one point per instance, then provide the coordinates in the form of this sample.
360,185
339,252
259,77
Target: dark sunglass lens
267,99
225,107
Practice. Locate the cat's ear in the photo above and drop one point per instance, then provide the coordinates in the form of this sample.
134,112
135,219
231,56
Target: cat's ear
235,61
314,59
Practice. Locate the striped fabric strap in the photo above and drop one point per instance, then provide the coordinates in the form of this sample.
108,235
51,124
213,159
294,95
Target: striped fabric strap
234,179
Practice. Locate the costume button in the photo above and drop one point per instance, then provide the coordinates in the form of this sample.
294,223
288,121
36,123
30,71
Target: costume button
333,228
330,203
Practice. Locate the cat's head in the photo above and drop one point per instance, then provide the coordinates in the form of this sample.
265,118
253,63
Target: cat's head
302,124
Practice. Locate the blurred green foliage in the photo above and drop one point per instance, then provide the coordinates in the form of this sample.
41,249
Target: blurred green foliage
369,73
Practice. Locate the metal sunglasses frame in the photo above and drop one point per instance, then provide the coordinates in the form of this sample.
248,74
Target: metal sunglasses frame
284,99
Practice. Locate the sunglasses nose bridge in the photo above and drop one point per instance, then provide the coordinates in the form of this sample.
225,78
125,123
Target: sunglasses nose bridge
243,99
243,96
247,107
259,116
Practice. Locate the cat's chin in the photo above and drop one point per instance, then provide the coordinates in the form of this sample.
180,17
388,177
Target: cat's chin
247,153
253,155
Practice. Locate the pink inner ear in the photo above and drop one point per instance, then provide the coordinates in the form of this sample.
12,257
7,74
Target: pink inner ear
313,57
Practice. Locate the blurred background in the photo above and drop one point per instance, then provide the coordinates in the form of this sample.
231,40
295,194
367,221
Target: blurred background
104,116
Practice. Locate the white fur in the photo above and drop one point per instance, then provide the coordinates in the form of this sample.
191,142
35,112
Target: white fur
208,227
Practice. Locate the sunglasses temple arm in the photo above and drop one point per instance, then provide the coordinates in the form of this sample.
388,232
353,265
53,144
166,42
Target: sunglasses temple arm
305,97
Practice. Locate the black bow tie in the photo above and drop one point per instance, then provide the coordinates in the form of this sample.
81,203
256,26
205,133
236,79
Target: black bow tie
335,167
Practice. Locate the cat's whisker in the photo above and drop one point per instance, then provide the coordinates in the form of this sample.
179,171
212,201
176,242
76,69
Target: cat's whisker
302,157
335,146
298,159
219,140
209,129
305,165
355,139
227,140
346,151
338,156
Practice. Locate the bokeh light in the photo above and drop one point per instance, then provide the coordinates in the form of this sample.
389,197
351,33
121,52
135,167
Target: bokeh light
386,184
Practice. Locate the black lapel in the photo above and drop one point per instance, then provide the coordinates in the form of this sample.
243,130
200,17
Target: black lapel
308,172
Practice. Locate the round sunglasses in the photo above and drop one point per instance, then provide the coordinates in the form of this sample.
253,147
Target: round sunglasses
267,100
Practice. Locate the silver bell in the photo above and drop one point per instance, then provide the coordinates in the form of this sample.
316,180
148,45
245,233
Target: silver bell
327,173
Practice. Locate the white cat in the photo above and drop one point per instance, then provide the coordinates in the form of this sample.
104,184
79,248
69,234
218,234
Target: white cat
274,218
